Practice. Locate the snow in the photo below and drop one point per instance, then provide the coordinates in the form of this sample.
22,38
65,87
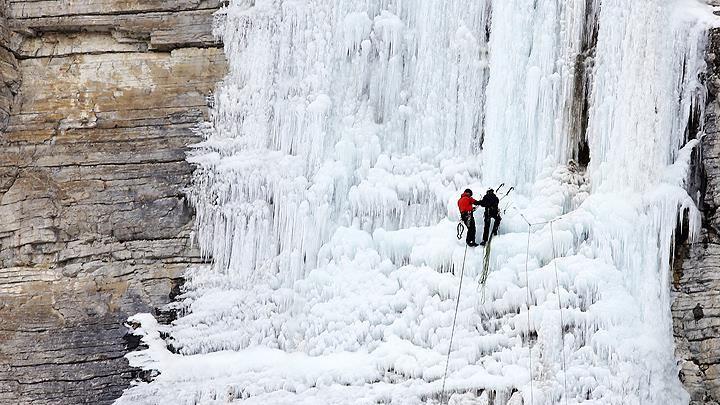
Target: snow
326,187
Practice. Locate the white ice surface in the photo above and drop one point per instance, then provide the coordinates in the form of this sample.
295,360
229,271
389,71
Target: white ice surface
325,193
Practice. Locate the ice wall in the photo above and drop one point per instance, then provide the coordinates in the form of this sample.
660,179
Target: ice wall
538,77
338,115
325,194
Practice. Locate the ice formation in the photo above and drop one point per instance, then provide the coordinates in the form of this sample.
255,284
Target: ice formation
325,194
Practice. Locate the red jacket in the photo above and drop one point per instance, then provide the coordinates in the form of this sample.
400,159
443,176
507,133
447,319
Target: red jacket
465,203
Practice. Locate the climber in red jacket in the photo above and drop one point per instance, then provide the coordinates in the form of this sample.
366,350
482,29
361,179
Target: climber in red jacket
466,205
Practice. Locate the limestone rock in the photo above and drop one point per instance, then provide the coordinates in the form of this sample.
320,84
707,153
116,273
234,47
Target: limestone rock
9,74
696,278
98,102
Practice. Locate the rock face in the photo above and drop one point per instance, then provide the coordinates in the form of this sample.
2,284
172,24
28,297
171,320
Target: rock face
9,76
696,281
98,102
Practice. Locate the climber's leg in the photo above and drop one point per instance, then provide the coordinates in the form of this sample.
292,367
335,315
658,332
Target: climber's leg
486,229
497,218
469,221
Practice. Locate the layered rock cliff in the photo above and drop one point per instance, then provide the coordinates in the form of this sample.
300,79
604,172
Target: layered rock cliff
696,281
9,76
98,102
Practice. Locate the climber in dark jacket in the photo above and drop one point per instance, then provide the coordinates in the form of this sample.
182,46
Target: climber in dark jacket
492,211
467,204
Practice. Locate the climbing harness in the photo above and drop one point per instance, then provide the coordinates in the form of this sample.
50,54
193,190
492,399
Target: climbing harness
452,332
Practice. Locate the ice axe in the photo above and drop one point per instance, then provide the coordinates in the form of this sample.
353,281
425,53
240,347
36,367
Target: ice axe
508,192
503,197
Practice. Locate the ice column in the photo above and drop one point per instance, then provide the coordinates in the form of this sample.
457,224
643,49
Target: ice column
645,84
336,113
536,54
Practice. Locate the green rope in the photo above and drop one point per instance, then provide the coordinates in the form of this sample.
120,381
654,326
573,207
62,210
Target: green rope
486,265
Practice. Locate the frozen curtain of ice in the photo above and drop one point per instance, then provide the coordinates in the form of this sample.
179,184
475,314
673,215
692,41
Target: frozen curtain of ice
326,187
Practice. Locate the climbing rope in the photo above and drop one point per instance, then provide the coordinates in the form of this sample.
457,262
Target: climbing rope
527,287
562,322
486,266
557,284
483,279
452,332
486,262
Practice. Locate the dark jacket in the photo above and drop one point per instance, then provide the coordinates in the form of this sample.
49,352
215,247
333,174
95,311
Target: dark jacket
490,202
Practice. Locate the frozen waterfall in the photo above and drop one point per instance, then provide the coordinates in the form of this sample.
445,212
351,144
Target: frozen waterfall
325,193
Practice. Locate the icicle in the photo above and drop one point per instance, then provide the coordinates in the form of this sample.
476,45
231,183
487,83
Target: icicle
326,193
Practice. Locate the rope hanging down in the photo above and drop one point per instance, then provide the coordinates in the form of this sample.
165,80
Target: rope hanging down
557,286
562,322
486,266
460,229
452,332
527,287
